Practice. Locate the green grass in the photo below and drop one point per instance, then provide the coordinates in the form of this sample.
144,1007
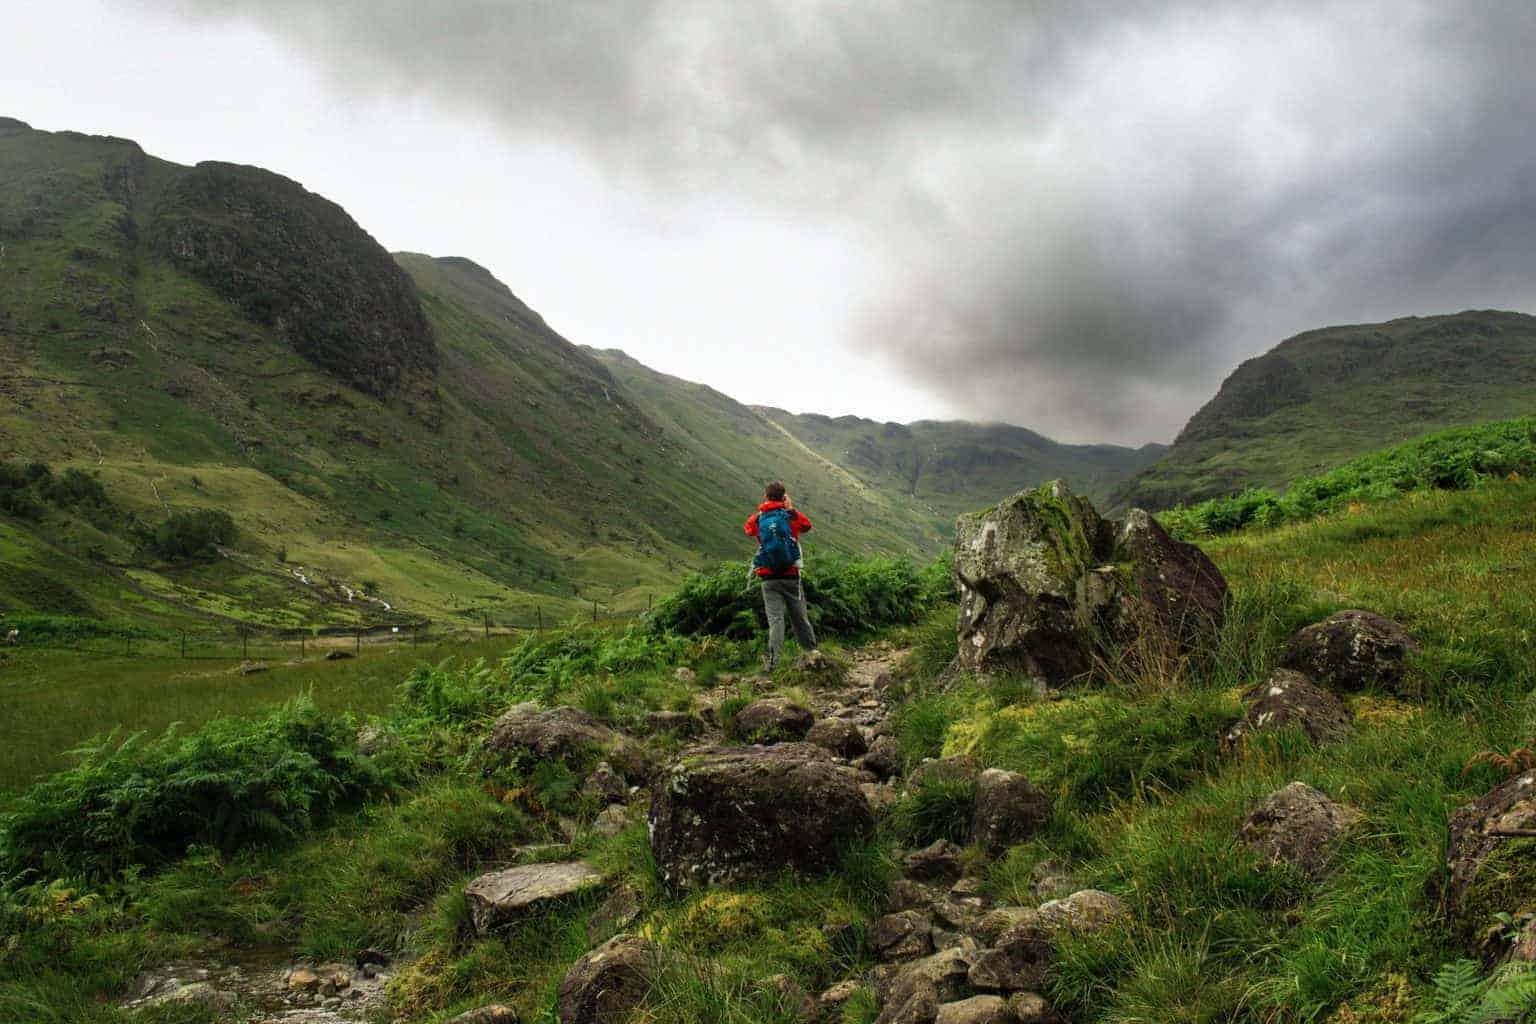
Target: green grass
1147,806
52,701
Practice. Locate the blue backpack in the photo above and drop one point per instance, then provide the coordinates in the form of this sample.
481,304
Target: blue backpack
778,551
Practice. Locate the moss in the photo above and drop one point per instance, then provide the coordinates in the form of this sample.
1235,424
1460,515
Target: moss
1505,883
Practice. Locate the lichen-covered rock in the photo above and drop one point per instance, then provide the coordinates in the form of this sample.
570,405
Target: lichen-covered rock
901,936
726,816
1085,912
945,972
1009,809
1045,584
975,1010
838,736
610,982
492,1014
1491,860
1289,699
1019,960
1298,826
680,723
1029,1008
501,897
774,720
912,1000
1353,650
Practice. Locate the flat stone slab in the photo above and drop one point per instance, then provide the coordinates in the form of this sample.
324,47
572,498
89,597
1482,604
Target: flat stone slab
503,896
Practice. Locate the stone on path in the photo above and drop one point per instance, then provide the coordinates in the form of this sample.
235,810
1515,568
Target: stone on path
501,897
724,816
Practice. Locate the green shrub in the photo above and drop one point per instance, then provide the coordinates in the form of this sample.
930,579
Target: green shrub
846,597
232,783
193,535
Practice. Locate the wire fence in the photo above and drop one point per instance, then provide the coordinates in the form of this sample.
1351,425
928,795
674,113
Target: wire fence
256,644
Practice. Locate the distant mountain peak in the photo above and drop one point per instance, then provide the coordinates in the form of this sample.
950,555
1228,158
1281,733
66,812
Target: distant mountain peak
13,126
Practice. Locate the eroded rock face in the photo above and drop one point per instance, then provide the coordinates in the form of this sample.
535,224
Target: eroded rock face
1009,809
1045,584
501,897
731,815
901,936
1353,650
1289,699
1490,864
607,984
1298,826
774,720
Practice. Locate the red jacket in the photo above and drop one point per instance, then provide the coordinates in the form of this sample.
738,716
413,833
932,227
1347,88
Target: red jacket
798,524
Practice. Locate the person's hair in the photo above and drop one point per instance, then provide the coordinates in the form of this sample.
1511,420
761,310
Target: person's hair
774,491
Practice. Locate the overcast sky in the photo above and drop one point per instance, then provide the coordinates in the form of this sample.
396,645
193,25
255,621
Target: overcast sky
1077,216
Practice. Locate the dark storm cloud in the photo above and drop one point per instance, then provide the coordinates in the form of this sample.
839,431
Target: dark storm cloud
1083,214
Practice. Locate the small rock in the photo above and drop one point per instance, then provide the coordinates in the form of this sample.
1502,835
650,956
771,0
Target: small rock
1019,962
901,936
975,1010
1086,912
493,1014
774,720
1029,1008
197,993
1353,650
503,896
1298,826
837,735
1289,699
252,668
937,862
302,979
1009,810
338,655
605,786
906,894
684,674
912,1000
883,759
830,1003
608,983
1000,919
371,956
945,971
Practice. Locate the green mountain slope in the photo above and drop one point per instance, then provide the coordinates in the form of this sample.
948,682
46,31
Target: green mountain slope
1326,396
394,436
954,467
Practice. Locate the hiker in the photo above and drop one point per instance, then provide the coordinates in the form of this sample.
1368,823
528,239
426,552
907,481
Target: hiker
777,525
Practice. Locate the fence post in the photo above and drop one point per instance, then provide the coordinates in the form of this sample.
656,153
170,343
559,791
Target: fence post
647,602
245,644
541,618
487,627
183,646
301,646
359,647
594,610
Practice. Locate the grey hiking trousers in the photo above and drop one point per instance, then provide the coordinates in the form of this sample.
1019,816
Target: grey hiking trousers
783,594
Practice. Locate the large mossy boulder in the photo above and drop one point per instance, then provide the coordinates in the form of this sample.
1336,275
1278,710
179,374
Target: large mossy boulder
1491,862
725,816
1047,586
